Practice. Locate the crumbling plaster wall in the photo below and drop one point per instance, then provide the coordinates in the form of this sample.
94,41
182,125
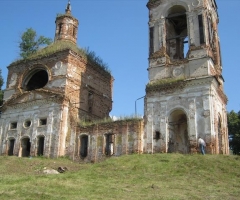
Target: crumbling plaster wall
197,100
33,111
128,139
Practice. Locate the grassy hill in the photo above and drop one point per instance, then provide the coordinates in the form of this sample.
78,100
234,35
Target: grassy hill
130,177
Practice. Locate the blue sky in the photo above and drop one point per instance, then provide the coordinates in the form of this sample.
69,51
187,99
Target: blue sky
117,30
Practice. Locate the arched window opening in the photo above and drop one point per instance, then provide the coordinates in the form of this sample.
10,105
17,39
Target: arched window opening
109,148
177,33
37,80
11,143
151,40
26,147
40,149
83,146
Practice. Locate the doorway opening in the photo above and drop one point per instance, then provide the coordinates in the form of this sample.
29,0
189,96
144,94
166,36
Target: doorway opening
26,147
83,146
109,148
11,143
40,149
178,133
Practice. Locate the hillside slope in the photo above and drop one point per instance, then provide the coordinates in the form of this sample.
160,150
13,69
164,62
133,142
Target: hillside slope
131,177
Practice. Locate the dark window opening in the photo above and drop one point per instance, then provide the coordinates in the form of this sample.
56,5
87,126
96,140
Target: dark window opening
26,146
90,109
11,147
27,123
201,28
157,135
74,32
13,125
90,102
40,146
42,122
177,33
210,31
84,146
151,42
59,29
109,148
38,80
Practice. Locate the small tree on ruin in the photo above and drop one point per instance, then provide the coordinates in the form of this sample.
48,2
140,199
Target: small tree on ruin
30,43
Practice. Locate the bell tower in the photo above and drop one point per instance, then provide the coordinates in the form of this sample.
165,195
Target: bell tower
184,96
66,26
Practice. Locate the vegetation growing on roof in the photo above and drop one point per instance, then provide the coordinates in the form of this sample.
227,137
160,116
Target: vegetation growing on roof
84,123
165,84
64,15
65,45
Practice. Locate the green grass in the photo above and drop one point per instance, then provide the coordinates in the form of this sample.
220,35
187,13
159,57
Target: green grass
130,177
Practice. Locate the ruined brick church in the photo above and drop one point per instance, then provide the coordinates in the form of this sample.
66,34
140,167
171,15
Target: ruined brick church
51,92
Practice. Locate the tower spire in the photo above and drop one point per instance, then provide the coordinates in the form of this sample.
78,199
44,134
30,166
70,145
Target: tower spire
68,8
66,26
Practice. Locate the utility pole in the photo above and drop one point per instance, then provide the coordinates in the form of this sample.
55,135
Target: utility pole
136,105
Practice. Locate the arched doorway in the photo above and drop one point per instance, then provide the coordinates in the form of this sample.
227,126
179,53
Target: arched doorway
178,132
83,146
25,147
40,149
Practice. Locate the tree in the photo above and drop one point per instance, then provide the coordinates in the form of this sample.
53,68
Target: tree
30,43
1,84
234,131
